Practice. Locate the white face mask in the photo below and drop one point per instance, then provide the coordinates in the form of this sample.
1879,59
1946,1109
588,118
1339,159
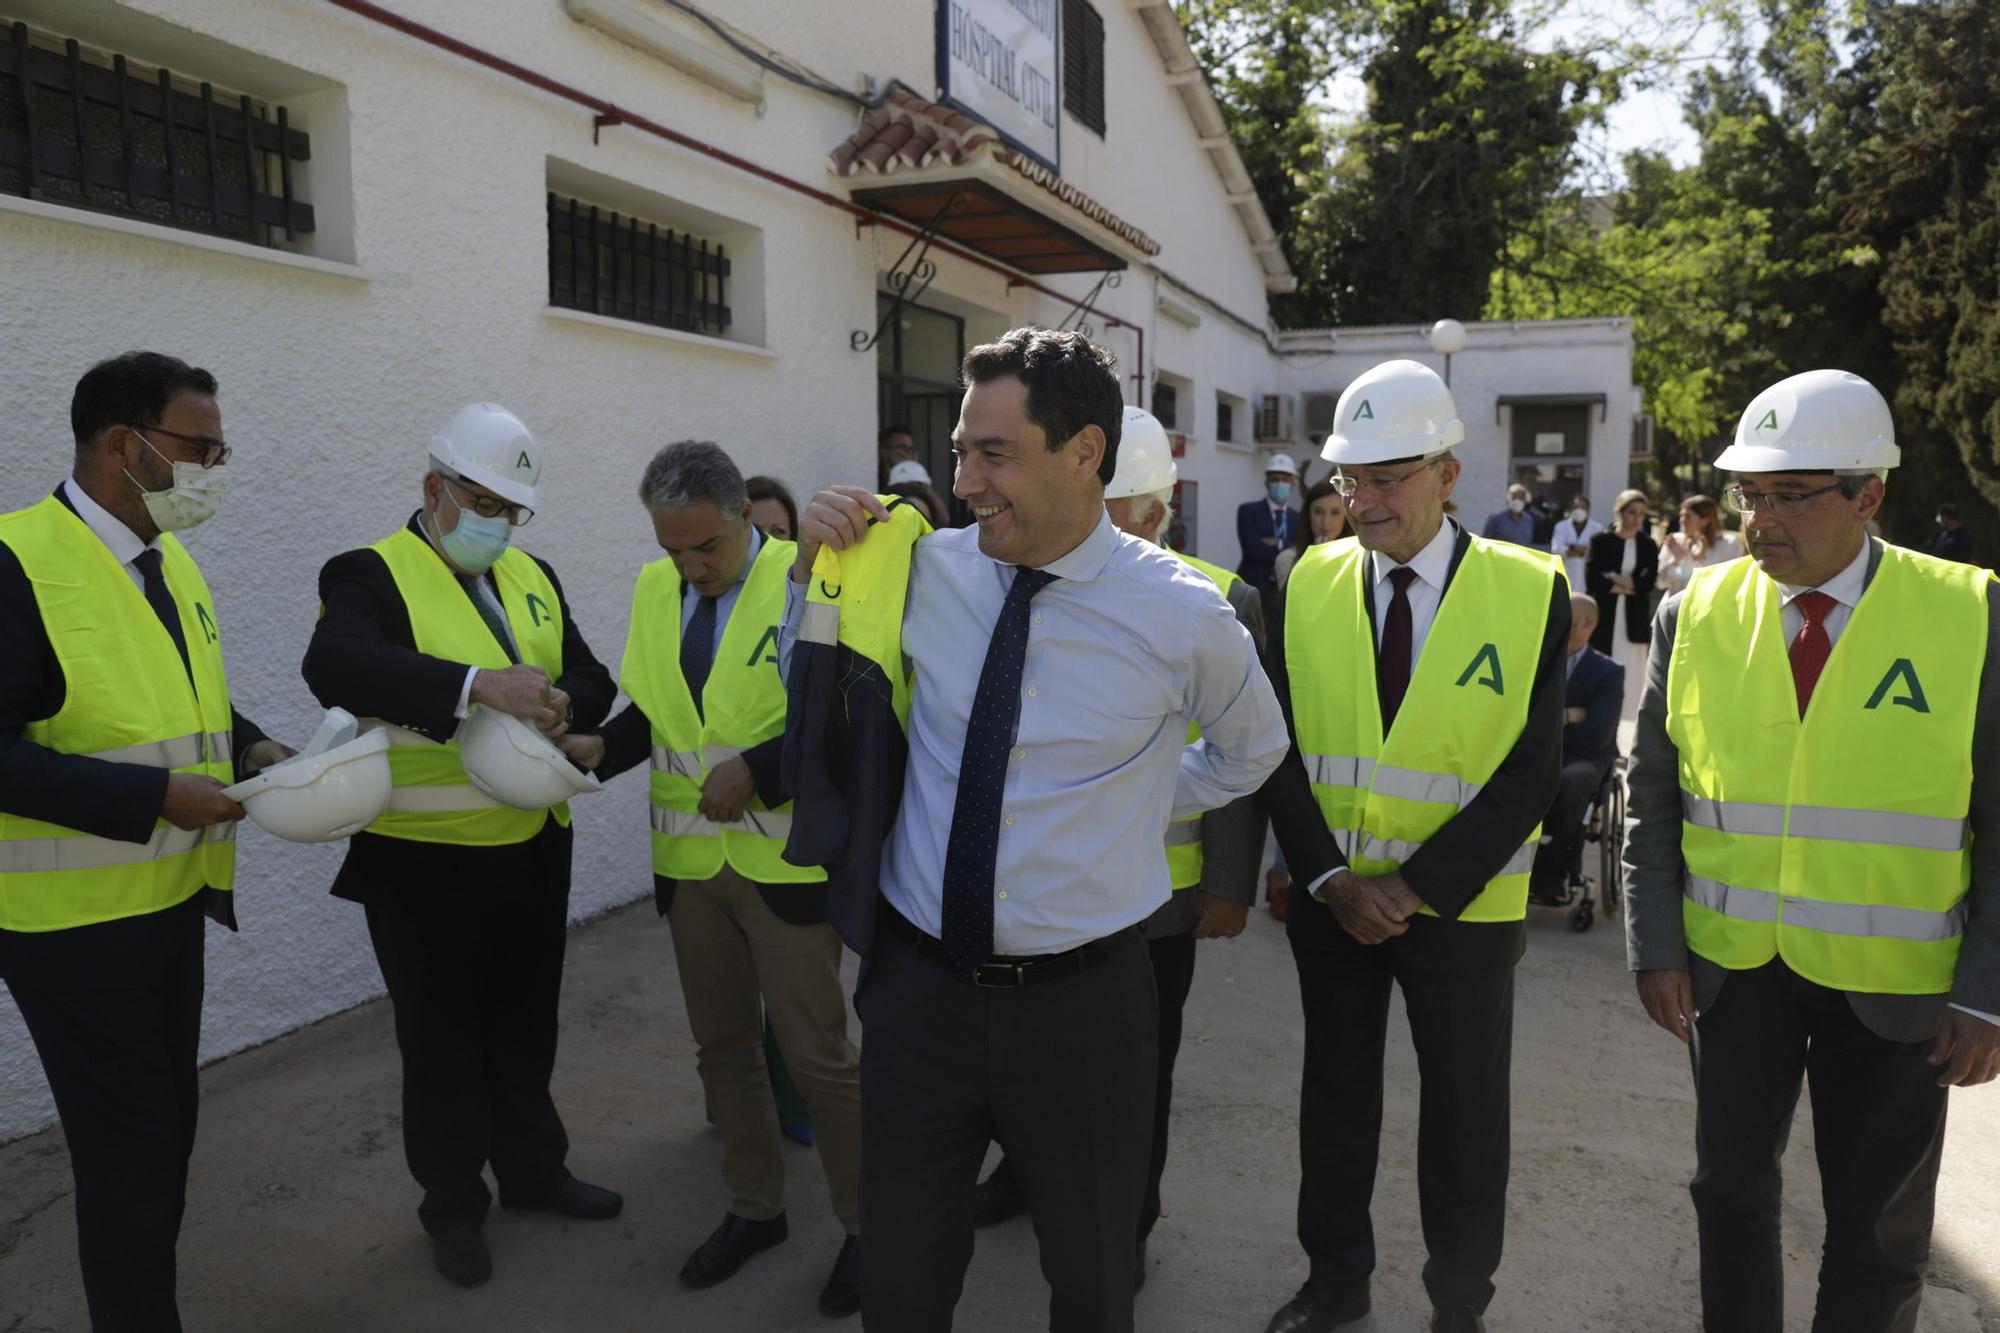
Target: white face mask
1516,504
1579,516
192,499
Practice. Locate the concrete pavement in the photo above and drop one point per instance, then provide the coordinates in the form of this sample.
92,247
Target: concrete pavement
301,1216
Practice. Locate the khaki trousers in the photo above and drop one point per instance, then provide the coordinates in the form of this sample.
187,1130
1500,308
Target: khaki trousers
731,948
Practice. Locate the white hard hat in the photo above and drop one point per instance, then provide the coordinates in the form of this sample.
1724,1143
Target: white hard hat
909,470
1281,463
321,797
1821,421
1398,409
489,446
516,765
1145,457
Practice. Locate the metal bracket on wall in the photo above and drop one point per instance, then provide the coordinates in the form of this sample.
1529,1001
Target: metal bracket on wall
601,121
1111,279
914,265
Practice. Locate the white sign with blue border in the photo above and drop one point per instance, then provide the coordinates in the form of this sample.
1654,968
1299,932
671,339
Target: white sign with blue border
1000,62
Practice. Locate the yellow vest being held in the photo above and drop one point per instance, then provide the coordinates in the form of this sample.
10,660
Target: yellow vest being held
127,698
1838,841
1464,711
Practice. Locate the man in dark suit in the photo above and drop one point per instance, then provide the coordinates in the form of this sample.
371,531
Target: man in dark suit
1407,810
1953,540
117,739
467,899
1265,527
1592,697
1813,890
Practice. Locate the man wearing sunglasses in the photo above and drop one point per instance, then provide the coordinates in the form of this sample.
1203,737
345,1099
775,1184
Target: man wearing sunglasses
467,899
117,738
1813,888
1421,669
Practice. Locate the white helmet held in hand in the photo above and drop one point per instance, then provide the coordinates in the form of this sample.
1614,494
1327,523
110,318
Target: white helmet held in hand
516,765
489,446
1820,421
1396,410
1145,457
320,797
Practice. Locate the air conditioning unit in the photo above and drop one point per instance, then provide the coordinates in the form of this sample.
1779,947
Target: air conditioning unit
1320,411
1274,419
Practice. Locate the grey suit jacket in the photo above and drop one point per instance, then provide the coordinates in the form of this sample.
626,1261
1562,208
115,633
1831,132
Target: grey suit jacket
1654,868
1232,836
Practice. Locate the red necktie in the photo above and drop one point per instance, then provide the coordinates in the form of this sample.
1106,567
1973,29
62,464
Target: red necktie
1393,663
1810,649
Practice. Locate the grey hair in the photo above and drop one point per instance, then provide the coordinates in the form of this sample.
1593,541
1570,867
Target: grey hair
1165,499
689,472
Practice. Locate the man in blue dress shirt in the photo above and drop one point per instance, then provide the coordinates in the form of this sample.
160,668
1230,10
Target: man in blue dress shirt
1009,994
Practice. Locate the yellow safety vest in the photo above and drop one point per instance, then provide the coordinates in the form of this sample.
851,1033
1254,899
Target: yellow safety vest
433,800
1839,841
743,703
856,598
1184,859
127,699
1465,708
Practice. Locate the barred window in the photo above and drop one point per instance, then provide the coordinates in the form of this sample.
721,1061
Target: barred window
619,265
91,130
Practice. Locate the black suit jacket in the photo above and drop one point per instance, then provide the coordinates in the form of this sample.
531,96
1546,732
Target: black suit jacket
1454,863
95,796
1607,556
363,657
1253,524
1597,686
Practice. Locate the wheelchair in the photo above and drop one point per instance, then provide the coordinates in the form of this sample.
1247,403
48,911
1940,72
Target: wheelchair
1603,829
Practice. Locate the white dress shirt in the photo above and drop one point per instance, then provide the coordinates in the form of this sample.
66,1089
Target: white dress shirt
1567,534
1124,647
124,543
1845,588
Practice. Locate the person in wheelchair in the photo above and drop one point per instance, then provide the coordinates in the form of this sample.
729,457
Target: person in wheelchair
1592,697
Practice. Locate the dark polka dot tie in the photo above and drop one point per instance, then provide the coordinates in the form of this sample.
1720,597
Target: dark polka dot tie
982,777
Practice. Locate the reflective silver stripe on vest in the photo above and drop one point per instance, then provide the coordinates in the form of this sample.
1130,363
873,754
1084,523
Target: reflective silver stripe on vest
1875,920
23,856
1400,850
717,755
1831,823
445,798
1409,784
1181,832
679,763
179,752
692,824
820,623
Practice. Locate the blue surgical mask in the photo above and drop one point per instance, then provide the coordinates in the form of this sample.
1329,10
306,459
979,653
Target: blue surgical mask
474,543
1279,491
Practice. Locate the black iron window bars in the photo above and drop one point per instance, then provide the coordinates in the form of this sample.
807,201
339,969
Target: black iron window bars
616,265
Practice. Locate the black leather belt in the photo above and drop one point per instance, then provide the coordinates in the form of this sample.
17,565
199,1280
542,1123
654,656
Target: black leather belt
1009,973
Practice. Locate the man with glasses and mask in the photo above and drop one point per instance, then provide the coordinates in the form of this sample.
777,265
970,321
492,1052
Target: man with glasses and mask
1421,669
467,899
117,738
1812,887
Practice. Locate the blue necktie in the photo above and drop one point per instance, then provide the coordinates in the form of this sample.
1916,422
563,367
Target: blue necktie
147,562
982,775
490,614
698,648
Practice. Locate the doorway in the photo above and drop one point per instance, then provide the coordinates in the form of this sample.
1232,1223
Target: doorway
916,381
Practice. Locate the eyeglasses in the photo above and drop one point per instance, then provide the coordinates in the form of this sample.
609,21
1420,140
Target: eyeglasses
490,506
214,453
1776,504
1348,485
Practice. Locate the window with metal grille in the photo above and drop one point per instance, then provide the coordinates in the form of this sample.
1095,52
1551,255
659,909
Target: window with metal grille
615,264
1166,402
1225,419
88,130
1083,63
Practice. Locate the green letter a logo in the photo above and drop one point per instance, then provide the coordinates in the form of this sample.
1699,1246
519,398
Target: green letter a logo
538,610
1903,671
766,649
1363,412
1769,421
523,463
205,621
1489,655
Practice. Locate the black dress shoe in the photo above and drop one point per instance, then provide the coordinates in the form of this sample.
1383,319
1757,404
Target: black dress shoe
1455,1319
998,1197
731,1243
573,1198
1315,1311
461,1255
1139,1266
841,1296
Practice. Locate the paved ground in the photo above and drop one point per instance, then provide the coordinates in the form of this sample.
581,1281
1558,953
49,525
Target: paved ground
301,1217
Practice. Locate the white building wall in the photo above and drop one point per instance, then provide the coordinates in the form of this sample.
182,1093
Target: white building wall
426,288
